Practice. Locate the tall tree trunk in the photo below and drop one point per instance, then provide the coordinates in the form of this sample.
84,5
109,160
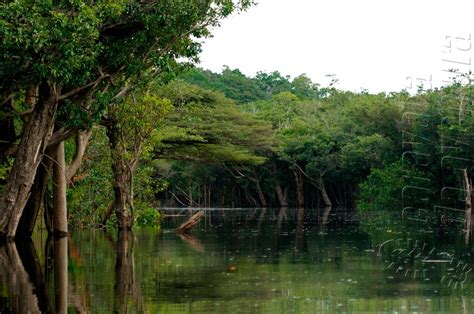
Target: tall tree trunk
324,193
261,196
36,134
37,193
282,195
122,196
59,192
299,187
37,196
123,181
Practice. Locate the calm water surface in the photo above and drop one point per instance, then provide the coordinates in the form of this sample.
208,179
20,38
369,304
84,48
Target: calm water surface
247,261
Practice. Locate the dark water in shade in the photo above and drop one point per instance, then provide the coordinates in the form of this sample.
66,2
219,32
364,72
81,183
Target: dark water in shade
247,261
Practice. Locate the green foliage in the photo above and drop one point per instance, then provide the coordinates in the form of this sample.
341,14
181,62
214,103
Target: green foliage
364,153
147,216
236,86
208,127
90,195
5,171
383,188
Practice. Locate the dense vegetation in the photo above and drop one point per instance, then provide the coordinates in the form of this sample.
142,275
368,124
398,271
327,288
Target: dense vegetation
69,65
294,143
99,109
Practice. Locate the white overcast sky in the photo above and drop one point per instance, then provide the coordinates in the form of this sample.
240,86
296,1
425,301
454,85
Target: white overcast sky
370,44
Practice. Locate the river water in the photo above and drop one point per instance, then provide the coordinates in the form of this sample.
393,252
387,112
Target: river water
247,261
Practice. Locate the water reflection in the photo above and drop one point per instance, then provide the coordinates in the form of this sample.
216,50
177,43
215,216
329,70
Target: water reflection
16,281
128,296
60,274
270,261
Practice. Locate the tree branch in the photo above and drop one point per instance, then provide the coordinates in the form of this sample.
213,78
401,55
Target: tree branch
61,135
80,89
82,139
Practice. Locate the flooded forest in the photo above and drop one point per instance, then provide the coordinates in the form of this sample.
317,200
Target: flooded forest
134,181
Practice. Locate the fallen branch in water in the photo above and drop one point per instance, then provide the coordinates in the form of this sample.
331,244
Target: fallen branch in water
191,222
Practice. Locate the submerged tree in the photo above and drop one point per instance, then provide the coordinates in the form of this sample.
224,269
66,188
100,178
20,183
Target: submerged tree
130,128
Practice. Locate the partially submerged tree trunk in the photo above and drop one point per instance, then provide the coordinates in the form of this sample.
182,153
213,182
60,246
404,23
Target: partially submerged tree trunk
261,196
259,190
191,222
36,134
59,192
123,181
299,186
123,199
38,190
324,193
282,195
37,196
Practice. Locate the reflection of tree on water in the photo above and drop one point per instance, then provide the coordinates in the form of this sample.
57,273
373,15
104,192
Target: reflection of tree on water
299,240
127,290
192,242
32,266
22,276
15,279
60,274
324,219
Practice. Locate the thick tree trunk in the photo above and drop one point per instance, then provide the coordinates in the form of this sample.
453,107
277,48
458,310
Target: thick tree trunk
59,192
123,182
324,193
37,195
36,134
299,187
282,195
122,197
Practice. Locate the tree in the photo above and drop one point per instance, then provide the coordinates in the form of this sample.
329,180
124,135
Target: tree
81,57
130,128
